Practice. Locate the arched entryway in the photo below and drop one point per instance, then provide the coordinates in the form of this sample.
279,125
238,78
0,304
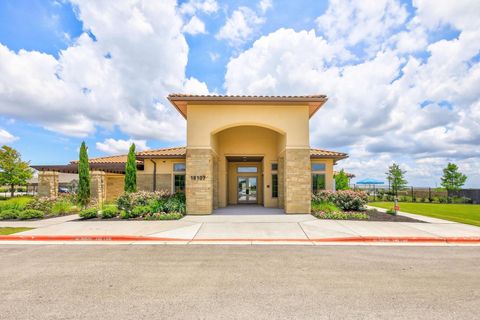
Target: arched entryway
249,166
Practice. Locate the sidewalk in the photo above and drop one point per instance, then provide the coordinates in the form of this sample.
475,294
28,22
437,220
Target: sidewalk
246,229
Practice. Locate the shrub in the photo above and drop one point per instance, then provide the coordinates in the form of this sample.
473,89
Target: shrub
346,200
61,207
89,213
128,201
43,204
124,214
9,214
341,215
327,207
28,214
176,203
139,211
163,216
109,212
17,203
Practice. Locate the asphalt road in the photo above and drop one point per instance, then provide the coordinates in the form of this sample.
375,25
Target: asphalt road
239,282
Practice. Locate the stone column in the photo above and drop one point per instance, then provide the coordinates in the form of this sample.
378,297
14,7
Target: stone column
47,184
98,186
298,180
199,181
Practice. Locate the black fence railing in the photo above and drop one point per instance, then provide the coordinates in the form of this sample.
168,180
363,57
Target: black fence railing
420,194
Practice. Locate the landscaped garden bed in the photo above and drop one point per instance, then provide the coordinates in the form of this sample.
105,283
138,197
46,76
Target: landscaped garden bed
349,205
143,205
30,208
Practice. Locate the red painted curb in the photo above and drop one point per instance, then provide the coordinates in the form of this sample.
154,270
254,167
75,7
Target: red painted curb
100,238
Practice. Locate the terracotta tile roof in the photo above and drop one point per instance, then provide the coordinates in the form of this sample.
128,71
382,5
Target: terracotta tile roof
180,152
110,159
259,97
177,152
180,101
320,153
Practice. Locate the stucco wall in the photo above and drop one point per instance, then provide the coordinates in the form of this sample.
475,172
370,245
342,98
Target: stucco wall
206,120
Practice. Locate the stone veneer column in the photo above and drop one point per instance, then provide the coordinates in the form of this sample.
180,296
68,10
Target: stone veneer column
98,186
298,192
199,181
47,184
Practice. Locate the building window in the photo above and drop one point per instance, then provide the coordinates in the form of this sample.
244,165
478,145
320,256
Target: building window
179,167
247,169
274,186
274,166
318,182
318,166
179,183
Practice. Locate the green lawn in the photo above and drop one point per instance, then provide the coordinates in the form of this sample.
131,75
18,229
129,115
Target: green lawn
10,230
463,213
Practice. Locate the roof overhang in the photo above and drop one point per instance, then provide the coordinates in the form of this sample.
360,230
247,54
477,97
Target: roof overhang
73,167
181,101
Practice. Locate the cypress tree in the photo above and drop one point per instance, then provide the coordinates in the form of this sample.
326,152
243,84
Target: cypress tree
131,171
83,177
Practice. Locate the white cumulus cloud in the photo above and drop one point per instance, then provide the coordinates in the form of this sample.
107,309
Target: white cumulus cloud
115,147
6,137
389,105
118,80
194,26
240,26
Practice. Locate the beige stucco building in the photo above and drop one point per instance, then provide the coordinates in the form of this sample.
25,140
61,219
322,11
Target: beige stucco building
240,149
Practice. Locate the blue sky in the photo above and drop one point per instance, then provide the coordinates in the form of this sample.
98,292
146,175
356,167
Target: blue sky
401,76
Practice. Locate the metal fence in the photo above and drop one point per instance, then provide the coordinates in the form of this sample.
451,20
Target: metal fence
29,190
420,194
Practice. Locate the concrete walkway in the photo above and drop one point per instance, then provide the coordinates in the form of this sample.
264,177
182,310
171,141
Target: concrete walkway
252,229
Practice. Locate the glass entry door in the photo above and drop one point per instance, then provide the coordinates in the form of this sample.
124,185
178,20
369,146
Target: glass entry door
247,189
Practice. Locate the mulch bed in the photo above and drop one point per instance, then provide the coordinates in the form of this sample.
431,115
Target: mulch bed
375,215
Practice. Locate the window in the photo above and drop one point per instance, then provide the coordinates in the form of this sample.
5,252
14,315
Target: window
247,169
318,182
274,186
179,183
274,166
179,167
318,166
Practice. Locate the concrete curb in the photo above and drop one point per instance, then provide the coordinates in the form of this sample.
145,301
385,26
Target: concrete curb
358,239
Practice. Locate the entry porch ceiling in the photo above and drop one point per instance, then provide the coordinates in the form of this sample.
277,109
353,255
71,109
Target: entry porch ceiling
181,101
244,158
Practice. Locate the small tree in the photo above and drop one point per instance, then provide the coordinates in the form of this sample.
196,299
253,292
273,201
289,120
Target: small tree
396,177
341,180
13,170
131,171
452,179
83,194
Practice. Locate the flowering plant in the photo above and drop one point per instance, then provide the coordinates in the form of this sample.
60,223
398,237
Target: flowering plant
347,200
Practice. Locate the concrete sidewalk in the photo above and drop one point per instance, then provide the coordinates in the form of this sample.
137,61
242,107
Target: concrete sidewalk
253,229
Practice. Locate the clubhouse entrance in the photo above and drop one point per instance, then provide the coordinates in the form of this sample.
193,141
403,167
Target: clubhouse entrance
245,179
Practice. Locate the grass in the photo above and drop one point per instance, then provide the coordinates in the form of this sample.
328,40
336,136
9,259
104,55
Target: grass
463,213
17,203
9,230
